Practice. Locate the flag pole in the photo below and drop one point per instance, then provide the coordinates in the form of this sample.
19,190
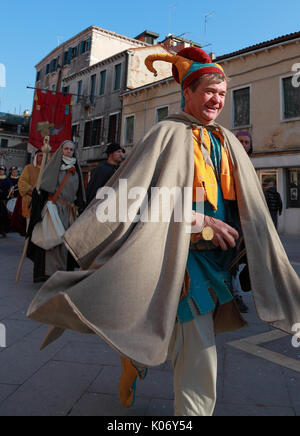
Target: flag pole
45,149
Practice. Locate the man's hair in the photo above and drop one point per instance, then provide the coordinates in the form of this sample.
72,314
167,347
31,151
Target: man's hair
214,77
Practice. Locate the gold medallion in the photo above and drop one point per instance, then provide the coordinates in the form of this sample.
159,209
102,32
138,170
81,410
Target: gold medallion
208,233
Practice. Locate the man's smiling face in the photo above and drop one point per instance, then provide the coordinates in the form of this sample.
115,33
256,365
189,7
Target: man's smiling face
207,101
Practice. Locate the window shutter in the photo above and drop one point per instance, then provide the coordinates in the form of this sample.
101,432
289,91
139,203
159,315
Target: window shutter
102,82
82,47
70,55
117,77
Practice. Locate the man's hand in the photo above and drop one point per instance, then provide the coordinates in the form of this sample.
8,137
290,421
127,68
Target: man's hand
224,234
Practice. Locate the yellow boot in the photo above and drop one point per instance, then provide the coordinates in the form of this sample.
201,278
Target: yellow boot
127,385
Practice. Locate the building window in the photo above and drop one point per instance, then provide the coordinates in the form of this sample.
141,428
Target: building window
118,69
75,132
75,51
65,60
162,113
65,90
129,129
70,51
85,45
291,99
150,40
53,65
38,76
4,143
79,91
241,107
102,82
93,88
113,128
293,188
92,133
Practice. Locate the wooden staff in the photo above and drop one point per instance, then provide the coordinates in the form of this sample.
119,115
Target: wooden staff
45,149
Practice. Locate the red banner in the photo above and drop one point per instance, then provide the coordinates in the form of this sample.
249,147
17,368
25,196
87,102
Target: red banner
51,116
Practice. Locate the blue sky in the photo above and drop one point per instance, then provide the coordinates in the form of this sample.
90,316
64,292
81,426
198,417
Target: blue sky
29,30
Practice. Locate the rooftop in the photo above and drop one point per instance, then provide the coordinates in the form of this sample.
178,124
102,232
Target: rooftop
263,45
84,32
13,119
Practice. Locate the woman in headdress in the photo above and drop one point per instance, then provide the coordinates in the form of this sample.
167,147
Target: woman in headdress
4,191
245,139
62,183
13,179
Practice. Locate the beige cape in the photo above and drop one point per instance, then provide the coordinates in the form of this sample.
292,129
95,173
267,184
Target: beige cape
130,286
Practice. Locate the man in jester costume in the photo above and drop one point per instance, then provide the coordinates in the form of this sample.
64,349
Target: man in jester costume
172,293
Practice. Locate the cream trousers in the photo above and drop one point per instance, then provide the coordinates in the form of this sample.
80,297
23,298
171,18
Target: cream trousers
194,357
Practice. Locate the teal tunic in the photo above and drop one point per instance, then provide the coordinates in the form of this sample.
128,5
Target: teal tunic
208,269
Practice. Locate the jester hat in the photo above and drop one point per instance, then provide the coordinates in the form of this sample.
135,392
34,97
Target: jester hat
188,65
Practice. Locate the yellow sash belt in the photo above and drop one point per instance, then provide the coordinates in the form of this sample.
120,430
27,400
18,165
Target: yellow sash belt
205,176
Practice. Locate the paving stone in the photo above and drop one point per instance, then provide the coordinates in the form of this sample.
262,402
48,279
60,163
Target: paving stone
52,391
16,330
96,353
20,361
158,384
161,408
250,380
292,380
107,381
6,391
226,409
93,404
6,311
283,346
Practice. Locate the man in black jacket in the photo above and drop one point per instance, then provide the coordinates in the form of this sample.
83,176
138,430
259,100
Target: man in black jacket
274,201
104,171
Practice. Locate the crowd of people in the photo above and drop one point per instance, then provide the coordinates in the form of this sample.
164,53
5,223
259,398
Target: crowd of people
165,275
61,184
9,195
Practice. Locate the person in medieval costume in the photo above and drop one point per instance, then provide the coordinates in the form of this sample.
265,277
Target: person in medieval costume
240,281
13,179
245,139
4,192
104,171
172,291
62,184
27,183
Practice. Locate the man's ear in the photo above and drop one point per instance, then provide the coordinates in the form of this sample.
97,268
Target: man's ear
186,92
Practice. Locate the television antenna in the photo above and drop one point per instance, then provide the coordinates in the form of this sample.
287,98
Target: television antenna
206,18
59,39
170,17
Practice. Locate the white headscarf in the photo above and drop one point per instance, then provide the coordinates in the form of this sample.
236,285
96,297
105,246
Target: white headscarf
68,162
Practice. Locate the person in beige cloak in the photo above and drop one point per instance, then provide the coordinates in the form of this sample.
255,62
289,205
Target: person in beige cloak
172,294
62,184
27,183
